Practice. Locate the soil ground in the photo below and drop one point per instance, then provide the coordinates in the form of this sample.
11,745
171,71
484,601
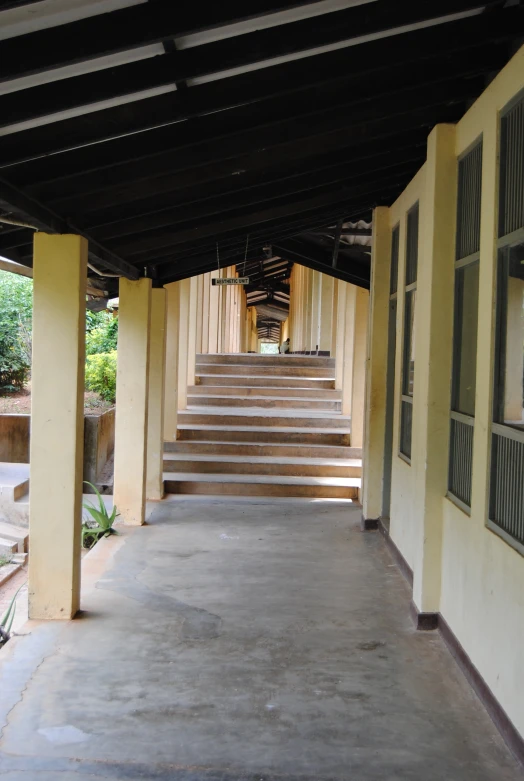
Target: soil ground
20,403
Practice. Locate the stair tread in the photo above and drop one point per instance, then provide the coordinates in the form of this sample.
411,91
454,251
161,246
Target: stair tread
270,413
264,459
9,529
211,477
266,376
12,475
252,397
277,429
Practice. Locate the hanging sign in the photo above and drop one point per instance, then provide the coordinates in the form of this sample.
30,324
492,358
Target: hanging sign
231,281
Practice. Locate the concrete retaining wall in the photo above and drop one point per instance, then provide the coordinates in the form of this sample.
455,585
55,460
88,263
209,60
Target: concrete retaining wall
99,441
14,438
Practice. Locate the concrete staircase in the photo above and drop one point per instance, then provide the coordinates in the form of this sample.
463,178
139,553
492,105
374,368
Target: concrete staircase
261,425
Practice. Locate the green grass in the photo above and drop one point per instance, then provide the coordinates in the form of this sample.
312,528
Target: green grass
4,560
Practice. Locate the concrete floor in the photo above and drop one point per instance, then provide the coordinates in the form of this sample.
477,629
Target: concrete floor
242,640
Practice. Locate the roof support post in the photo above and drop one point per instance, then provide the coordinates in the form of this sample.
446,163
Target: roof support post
132,399
57,425
171,367
155,426
376,374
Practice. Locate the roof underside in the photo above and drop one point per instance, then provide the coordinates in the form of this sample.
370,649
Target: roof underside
174,135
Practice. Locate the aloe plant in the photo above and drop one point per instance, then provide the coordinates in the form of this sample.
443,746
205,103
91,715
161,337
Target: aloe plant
6,622
101,524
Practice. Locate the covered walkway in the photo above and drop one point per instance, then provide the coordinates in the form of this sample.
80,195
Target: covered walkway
236,639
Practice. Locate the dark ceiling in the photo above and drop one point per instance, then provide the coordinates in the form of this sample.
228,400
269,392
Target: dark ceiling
164,131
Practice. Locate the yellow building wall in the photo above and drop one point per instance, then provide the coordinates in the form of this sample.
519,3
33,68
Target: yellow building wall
482,577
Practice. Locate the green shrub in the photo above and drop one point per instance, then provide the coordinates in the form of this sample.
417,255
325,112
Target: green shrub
15,330
101,375
102,334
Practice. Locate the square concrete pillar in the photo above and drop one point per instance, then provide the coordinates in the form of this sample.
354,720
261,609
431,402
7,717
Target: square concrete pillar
341,333
206,285
214,318
434,326
171,363
183,341
376,379
326,312
358,379
132,386
57,425
192,331
347,354
155,415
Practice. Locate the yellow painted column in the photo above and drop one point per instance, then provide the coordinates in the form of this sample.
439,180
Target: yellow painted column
334,319
358,380
326,312
192,330
206,285
434,327
308,311
183,341
155,416
349,346
214,319
376,379
57,425
341,334
171,364
200,309
132,385
315,313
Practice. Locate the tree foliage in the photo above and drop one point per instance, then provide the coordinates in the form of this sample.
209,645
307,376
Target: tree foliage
101,375
102,333
16,308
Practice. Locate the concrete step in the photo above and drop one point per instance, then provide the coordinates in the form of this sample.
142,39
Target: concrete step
7,547
262,465
14,494
262,485
275,418
240,381
270,449
245,392
255,370
261,402
285,434
249,359
15,534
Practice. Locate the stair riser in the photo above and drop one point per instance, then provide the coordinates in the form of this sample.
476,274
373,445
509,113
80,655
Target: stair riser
266,360
264,382
261,371
266,403
292,470
189,418
245,393
259,489
240,449
304,438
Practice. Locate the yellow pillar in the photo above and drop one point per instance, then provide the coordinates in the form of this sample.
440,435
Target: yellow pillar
214,318
171,364
183,338
349,345
341,334
132,385
155,426
206,284
376,379
315,313
514,369
326,312
358,380
57,424
192,331
199,315
334,319
434,326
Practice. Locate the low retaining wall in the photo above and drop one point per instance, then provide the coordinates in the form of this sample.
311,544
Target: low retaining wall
99,441
14,438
